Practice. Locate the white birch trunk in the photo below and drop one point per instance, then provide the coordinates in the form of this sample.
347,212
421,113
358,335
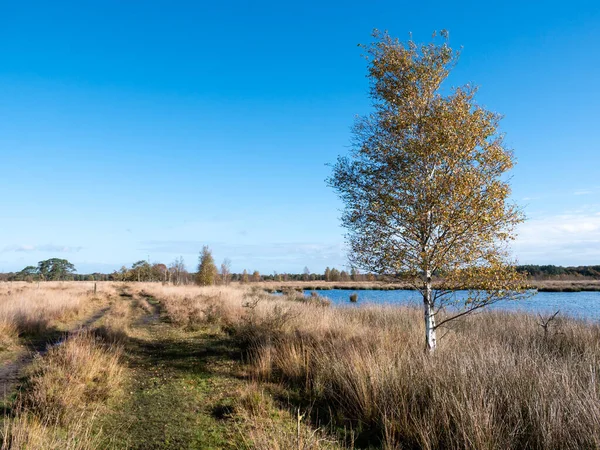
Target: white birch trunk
430,338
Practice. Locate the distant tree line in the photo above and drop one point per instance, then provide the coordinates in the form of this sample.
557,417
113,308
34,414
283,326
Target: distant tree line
207,273
557,272
176,273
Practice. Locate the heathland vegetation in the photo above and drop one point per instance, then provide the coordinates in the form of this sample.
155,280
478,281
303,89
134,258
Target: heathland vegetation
153,365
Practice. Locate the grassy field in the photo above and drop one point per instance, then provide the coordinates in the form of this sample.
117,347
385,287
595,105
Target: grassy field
147,366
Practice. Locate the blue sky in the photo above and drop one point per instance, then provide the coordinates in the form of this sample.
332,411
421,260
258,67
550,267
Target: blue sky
136,129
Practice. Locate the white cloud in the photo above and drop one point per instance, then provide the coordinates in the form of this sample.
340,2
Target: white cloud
46,248
567,239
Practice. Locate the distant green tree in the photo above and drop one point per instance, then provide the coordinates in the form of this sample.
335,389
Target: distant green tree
327,274
55,269
29,273
334,275
141,271
245,276
207,271
123,274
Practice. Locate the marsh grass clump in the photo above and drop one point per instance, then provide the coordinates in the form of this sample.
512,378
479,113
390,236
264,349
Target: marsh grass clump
317,300
72,379
314,298
190,313
26,431
354,297
62,395
270,428
292,292
9,335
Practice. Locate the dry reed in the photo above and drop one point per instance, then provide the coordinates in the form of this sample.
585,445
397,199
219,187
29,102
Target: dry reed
497,380
72,378
29,308
63,393
27,431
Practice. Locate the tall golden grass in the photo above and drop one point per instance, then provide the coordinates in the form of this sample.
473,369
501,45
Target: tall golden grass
497,380
27,431
72,377
269,428
66,387
64,391
29,308
191,306
114,325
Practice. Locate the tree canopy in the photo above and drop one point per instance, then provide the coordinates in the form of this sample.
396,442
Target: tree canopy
424,187
55,269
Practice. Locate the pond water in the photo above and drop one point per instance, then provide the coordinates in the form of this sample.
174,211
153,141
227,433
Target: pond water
582,305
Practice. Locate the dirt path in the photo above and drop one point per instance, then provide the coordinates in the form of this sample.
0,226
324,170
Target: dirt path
10,372
181,386
152,316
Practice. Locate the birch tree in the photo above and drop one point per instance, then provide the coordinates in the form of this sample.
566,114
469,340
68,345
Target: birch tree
207,271
425,187
226,271
177,268
306,274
